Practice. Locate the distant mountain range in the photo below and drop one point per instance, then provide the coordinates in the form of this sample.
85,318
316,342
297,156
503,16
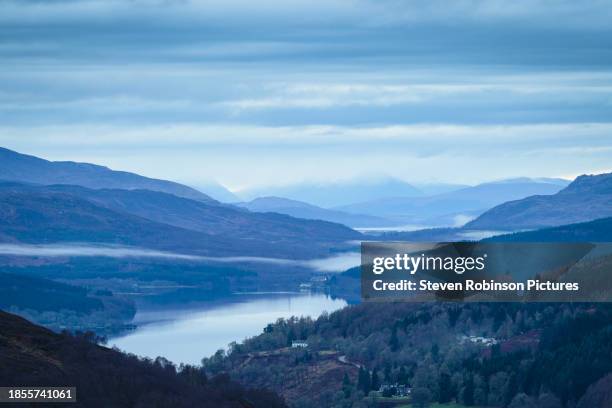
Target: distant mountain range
455,207
217,191
47,202
334,194
585,199
30,169
428,189
39,215
300,209
546,180
150,219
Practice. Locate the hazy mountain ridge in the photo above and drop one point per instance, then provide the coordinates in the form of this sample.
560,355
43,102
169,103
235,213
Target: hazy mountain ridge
339,193
37,215
48,214
217,191
304,210
587,198
19,167
442,209
214,219
548,180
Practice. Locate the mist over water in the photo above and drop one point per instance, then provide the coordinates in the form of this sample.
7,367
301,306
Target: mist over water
87,250
338,263
397,228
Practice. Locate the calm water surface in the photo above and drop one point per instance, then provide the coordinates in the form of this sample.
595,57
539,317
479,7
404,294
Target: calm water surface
185,335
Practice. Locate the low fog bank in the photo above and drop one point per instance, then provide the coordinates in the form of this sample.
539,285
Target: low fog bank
338,263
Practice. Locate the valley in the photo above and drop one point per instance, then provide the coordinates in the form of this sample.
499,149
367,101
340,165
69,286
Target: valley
306,204
273,300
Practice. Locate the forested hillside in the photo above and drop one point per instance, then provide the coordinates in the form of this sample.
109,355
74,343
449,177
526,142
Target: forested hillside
593,231
107,378
150,219
497,355
516,355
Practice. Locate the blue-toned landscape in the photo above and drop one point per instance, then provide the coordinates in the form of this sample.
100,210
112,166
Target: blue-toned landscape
185,187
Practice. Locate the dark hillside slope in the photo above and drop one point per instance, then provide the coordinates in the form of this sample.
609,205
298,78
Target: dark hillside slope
41,217
592,231
585,199
34,356
27,292
48,214
215,219
30,169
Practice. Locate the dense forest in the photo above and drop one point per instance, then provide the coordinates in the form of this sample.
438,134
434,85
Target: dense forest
107,378
99,294
494,355
58,305
26,292
599,230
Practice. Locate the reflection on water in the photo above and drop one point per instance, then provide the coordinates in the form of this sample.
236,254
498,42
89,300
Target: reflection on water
187,335
397,228
477,235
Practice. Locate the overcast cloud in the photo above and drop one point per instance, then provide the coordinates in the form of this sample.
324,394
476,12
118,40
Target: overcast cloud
275,92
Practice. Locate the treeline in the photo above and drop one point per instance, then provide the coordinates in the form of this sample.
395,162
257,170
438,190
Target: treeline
217,278
56,305
499,355
599,230
26,292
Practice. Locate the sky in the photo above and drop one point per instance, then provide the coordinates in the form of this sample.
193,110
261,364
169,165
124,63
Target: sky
253,94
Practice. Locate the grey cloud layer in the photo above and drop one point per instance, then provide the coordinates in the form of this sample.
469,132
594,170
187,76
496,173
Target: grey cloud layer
223,87
537,32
